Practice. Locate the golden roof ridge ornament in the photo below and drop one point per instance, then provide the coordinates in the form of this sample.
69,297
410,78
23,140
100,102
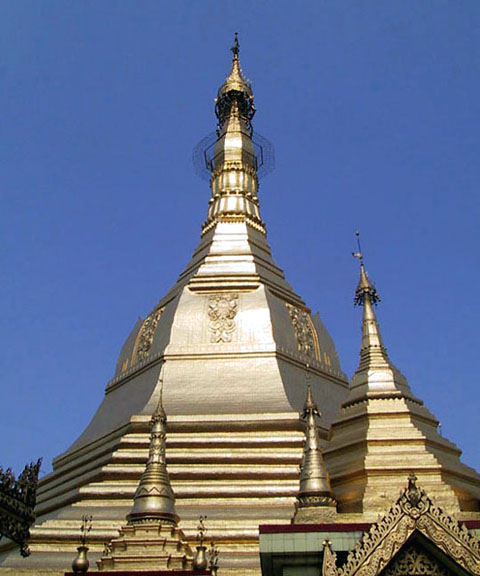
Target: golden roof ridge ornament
154,498
315,490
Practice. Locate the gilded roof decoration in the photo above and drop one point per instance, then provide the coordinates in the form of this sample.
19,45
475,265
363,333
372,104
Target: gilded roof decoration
413,512
415,560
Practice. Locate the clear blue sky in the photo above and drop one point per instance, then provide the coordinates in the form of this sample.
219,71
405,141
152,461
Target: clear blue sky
373,109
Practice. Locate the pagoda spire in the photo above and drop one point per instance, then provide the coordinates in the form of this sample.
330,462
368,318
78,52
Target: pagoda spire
234,179
375,375
382,430
154,498
366,295
315,491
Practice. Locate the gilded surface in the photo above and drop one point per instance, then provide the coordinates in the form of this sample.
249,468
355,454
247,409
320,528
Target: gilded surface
222,309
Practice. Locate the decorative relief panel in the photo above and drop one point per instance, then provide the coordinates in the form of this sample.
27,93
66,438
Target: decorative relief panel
222,309
415,561
145,336
304,331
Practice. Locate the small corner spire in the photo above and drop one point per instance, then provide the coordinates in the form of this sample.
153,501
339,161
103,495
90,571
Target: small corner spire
315,491
154,498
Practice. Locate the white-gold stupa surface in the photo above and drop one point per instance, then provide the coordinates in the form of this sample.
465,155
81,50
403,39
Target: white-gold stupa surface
230,341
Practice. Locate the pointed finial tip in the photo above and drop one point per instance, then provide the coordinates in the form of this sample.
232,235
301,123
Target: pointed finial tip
236,46
364,286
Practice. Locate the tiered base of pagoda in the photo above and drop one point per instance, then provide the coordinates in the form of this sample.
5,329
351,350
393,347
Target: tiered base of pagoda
147,545
239,471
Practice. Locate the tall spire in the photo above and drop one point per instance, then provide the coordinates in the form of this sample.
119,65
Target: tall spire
315,490
382,430
375,374
234,178
154,498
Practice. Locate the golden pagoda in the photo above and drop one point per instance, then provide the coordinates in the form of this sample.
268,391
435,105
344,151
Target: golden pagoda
229,341
383,431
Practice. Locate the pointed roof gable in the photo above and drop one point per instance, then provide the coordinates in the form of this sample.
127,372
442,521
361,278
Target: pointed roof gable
413,512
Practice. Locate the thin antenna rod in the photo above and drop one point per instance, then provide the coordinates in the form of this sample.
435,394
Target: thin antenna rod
358,254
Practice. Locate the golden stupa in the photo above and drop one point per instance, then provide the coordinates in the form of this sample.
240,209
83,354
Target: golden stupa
230,342
228,348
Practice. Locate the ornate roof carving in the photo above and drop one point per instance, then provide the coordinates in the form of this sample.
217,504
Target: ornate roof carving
305,333
145,335
413,512
414,560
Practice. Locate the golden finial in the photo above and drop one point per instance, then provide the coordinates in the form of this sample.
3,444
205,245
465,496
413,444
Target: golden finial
235,80
365,287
